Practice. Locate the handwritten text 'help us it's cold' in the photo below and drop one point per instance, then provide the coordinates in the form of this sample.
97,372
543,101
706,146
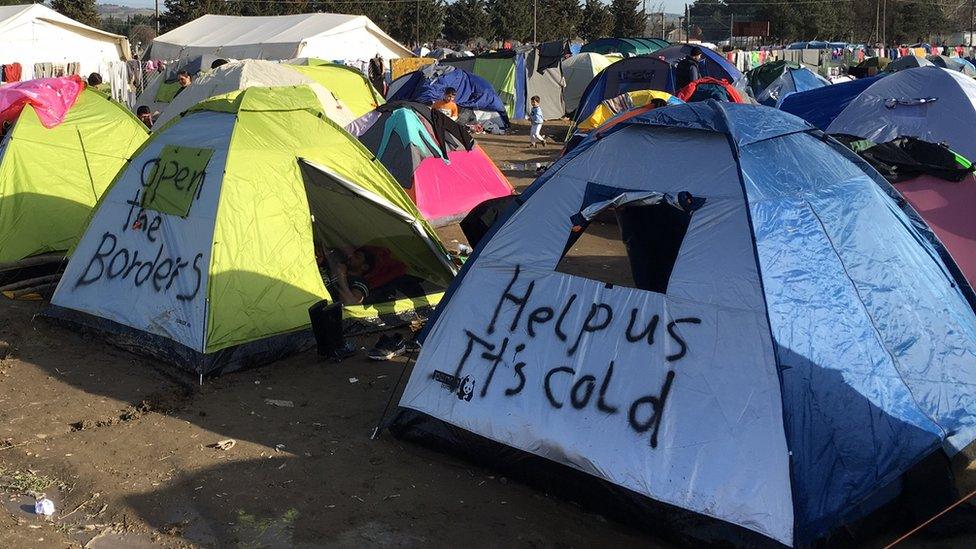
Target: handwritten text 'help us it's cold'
514,318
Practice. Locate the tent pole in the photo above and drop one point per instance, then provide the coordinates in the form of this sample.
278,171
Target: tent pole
535,20
157,16
731,27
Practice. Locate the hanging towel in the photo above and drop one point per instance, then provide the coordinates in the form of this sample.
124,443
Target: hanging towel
12,72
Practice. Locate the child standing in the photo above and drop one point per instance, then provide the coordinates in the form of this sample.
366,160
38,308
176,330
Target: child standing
535,118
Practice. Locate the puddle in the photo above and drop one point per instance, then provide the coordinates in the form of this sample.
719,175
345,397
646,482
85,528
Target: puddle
265,532
121,540
22,507
524,166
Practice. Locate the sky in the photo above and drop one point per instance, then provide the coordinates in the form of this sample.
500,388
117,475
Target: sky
671,6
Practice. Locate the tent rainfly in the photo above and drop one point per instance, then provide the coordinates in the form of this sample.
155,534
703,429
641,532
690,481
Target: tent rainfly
729,364
329,36
184,279
37,36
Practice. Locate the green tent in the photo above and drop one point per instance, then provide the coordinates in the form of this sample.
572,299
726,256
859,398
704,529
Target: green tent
762,76
625,46
350,86
203,251
50,178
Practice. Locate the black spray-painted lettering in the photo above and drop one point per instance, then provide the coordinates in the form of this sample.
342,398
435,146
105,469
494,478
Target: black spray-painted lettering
472,339
601,401
591,324
495,360
648,330
548,384
656,403
644,414
111,261
678,339
562,316
587,383
507,295
538,316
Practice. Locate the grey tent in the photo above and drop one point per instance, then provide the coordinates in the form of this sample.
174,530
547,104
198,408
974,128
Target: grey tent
953,64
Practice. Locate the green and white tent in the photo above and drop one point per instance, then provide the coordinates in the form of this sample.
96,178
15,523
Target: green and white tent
50,178
202,252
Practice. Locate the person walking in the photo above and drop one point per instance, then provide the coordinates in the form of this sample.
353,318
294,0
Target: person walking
536,119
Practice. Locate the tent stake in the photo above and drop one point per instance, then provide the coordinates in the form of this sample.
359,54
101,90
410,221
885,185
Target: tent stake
379,424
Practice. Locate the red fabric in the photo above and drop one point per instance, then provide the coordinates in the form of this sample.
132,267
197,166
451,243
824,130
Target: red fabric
947,208
686,92
11,72
386,268
51,99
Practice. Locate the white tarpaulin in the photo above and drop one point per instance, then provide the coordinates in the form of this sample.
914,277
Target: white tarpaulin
32,34
238,75
328,36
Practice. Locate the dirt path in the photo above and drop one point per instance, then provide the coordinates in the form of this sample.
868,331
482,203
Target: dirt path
123,446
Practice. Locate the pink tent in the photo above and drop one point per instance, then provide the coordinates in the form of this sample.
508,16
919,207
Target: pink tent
445,191
948,209
51,99
433,158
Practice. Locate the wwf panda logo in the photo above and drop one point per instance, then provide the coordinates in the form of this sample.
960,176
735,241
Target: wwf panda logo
466,389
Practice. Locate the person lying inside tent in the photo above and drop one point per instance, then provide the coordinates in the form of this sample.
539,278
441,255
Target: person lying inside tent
366,275
345,272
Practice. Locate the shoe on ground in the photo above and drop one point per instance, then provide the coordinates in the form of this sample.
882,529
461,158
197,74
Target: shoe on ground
347,350
388,347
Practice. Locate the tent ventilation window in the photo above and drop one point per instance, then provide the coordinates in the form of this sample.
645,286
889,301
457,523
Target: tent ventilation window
630,239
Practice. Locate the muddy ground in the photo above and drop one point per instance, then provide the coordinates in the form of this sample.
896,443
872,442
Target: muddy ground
124,447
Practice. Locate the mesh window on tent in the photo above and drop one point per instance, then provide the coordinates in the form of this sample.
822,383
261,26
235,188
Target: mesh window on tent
628,238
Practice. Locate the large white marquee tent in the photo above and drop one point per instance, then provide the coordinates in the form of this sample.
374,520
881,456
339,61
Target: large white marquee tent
327,36
33,33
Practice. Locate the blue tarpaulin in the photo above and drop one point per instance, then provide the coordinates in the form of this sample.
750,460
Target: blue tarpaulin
473,92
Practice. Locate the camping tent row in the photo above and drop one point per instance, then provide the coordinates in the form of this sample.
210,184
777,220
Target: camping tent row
65,145
520,73
772,82
582,69
445,177
42,42
168,264
729,365
351,88
476,99
627,47
647,73
328,36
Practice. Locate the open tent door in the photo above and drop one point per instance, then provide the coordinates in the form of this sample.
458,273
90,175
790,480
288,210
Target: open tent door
405,265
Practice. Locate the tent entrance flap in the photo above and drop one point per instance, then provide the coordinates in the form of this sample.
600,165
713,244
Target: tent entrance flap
393,255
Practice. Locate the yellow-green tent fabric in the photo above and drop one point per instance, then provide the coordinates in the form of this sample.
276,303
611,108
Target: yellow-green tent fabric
239,200
350,86
50,178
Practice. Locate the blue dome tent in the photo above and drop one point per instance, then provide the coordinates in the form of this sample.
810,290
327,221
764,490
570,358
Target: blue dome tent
627,75
474,93
820,106
769,348
712,63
